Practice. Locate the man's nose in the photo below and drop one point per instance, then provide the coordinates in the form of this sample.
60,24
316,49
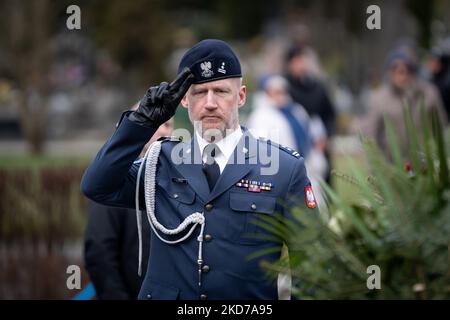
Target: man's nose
211,102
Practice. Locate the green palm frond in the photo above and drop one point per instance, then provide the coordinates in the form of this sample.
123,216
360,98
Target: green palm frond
398,219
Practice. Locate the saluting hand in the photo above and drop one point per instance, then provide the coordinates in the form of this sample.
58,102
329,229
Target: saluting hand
160,102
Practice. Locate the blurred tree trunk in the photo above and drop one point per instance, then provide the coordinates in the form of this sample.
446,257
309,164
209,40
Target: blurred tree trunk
423,12
28,35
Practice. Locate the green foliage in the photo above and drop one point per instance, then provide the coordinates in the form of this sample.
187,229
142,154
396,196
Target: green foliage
399,221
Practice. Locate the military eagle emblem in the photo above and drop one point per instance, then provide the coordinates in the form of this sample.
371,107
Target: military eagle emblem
206,69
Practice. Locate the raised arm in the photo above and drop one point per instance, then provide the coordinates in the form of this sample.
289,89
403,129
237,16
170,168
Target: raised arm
111,177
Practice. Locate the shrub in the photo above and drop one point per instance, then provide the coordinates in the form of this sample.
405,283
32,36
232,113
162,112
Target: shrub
398,221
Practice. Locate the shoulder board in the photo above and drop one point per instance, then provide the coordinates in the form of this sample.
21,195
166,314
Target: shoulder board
291,151
171,138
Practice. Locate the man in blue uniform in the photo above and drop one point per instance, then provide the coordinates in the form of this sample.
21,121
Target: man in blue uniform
223,180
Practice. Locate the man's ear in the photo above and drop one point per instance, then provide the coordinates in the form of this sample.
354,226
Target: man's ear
184,102
242,96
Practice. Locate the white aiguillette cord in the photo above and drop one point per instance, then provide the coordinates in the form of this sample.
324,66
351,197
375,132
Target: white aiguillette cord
151,159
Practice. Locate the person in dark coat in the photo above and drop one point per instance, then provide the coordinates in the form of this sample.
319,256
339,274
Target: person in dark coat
439,65
306,90
111,251
111,245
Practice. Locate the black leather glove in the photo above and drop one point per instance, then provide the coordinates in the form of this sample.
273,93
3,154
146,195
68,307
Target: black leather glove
160,102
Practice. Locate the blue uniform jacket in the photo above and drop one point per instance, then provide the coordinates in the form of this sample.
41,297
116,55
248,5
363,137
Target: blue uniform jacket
229,209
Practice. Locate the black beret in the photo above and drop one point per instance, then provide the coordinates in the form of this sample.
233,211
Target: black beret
211,60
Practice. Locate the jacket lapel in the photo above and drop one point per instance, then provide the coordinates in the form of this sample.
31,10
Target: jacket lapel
238,165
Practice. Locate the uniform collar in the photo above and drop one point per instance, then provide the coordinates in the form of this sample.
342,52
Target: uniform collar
191,164
225,145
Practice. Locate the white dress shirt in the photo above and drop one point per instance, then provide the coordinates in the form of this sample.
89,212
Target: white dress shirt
226,147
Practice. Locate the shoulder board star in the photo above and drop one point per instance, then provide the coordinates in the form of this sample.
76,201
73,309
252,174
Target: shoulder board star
290,151
284,148
171,138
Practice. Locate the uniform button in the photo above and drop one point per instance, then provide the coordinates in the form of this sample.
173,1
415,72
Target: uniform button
208,237
175,195
253,206
209,207
149,296
205,269
203,297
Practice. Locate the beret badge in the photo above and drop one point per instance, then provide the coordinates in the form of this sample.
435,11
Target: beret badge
206,69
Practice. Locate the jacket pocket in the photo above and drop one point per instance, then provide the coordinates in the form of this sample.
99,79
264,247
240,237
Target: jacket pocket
180,192
174,202
252,203
251,210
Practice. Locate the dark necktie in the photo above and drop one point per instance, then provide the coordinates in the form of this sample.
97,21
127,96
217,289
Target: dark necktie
210,166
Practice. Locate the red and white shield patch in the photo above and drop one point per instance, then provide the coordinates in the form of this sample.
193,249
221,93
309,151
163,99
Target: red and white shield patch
309,196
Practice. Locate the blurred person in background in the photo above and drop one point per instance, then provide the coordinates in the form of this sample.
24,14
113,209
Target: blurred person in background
439,67
111,244
277,117
402,88
306,90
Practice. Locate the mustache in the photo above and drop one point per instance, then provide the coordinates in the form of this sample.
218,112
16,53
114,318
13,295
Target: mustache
215,115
